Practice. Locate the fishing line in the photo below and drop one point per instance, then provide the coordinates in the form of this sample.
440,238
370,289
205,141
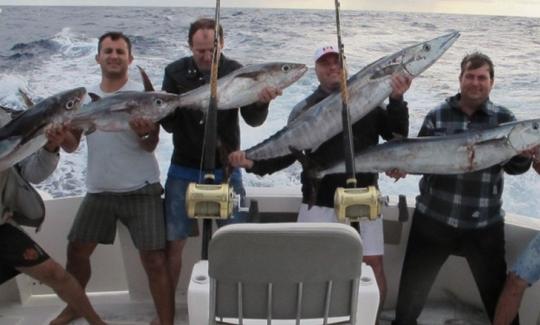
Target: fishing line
210,129
345,113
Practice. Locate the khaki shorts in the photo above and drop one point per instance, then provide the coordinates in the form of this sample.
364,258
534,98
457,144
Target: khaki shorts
371,231
141,211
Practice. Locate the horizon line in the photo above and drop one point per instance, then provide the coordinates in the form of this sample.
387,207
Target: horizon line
271,8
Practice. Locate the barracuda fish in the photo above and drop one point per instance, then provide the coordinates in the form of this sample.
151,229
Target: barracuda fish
25,134
367,89
453,154
237,89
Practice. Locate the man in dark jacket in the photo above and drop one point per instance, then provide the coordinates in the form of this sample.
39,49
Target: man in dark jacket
318,197
187,127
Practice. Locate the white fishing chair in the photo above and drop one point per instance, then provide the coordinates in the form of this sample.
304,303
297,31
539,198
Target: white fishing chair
269,273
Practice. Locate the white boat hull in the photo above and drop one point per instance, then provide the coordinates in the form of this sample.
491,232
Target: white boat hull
110,262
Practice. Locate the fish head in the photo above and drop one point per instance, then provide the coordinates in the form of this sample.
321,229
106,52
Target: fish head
415,59
275,74
154,105
525,135
57,108
62,106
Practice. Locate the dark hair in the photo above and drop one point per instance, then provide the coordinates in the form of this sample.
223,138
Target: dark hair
475,61
114,36
203,23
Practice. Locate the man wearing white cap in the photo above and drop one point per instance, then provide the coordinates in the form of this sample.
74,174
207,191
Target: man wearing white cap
318,195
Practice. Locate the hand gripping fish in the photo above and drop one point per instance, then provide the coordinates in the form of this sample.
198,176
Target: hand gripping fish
452,154
367,89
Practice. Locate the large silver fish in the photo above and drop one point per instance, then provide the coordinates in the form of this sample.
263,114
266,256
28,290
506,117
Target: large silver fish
239,88
453,154
367,89
25,134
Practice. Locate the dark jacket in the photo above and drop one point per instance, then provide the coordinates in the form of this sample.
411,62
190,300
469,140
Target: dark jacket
187,126
379,122
470,200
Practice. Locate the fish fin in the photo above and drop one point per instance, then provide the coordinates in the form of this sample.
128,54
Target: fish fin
488,142
8,145
312,199
95,97
311,170
11,111
146,81
248,75
309,166
26,98
90,130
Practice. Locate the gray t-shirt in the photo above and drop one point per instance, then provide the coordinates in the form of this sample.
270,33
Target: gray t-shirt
116,162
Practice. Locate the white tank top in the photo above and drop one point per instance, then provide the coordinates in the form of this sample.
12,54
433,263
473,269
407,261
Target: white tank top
116,162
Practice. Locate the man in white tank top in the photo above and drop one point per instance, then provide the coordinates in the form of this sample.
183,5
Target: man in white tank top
122,184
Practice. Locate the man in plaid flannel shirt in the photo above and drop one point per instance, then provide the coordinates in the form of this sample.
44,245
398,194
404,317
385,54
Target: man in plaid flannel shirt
460,214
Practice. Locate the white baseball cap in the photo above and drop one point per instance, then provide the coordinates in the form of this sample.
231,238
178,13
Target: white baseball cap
322,51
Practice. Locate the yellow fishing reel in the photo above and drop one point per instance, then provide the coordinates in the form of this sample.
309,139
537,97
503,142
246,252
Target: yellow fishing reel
358,203
209,201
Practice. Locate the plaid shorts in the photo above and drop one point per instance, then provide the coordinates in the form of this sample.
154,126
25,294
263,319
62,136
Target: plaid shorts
17,249
141,211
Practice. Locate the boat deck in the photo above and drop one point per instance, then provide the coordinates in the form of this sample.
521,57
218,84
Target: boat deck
118,309
122,297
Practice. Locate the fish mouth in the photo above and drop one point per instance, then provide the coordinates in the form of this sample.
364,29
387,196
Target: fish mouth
81,94
452,37
301,70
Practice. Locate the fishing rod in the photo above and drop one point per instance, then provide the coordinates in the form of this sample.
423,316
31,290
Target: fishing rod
210,128
209,200
351,202
348,144
345,113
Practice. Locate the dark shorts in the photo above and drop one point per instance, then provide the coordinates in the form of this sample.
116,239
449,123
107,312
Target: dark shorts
141,211
17,249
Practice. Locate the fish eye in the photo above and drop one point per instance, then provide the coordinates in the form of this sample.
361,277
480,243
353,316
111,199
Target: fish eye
285,68
427,47
70,104
535,126
158,101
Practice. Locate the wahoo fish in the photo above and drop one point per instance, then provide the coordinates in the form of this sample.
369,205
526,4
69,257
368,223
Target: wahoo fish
452,154
237,89
367,89
25,134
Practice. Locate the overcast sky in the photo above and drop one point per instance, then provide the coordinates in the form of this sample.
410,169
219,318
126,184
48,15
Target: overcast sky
489,7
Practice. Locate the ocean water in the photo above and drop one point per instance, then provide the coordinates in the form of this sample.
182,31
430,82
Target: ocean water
44,50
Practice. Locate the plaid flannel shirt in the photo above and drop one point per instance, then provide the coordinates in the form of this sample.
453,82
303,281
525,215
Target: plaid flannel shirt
470,200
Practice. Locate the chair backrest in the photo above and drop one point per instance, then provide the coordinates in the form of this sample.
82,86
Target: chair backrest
284,271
